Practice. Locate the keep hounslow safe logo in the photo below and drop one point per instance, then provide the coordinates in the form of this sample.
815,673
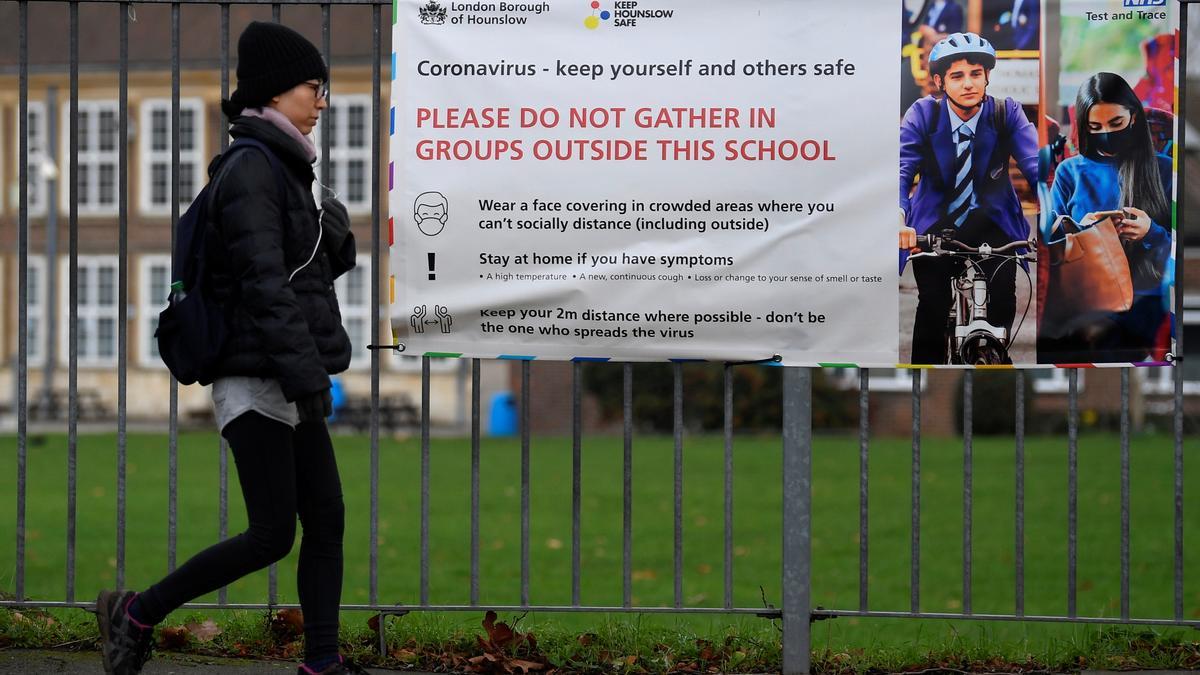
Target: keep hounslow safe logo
624,14
593,22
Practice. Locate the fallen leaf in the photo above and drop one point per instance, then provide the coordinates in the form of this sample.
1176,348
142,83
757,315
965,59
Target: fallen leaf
173,637
204,632
405,656
287,625
527,666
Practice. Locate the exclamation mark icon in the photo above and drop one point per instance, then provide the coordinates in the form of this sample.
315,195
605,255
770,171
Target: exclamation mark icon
432,275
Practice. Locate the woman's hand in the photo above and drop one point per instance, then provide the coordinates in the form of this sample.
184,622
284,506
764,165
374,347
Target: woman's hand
336,222
1134,225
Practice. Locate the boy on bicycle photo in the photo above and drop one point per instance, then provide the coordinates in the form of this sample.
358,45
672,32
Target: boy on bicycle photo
959,144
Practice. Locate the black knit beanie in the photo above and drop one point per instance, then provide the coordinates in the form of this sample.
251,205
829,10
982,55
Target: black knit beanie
271,60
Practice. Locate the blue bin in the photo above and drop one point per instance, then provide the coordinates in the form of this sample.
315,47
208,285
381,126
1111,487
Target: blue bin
502,415
338,394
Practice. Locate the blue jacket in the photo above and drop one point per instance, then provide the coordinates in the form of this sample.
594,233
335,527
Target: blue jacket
949,21
1084,185
1028,28
927,150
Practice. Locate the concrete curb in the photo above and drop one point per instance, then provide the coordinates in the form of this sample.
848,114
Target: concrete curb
23,662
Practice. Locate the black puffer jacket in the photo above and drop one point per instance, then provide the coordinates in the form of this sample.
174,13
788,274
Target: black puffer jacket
287,330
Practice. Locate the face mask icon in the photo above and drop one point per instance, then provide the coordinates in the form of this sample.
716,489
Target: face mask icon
430,213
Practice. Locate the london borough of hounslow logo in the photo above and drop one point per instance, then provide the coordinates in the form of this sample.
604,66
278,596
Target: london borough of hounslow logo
433,14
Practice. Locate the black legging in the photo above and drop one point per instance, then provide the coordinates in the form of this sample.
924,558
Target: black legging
934,298
283,473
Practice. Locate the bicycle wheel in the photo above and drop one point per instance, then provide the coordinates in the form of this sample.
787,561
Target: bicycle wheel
983,349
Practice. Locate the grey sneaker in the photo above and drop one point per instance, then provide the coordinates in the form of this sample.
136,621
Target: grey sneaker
126,645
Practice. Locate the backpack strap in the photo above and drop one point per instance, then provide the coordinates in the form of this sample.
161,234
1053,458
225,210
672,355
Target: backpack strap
276,168
223,168
999,160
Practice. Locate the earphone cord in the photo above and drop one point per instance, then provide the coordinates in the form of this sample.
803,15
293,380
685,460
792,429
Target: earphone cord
320,231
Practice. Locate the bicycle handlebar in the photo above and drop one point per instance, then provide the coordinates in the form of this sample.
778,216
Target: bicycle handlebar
932,244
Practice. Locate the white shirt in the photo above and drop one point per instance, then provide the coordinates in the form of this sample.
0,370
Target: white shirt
236,395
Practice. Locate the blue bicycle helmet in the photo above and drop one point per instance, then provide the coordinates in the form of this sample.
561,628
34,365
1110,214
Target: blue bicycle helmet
959,45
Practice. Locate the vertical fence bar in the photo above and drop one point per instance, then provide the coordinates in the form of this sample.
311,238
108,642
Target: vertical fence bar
73,224
1072,483
1125,493
327,53
475,395
728,382
23,290
49,252
1179,478
576,473
968,483
275,12
627,490
915,562
1180,217
525,433
797,519
864,435
173,440
1020,495
376,175
122,208
424,481
223,449
677,398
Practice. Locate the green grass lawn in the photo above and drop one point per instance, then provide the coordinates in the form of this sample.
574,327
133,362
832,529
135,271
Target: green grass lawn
756,527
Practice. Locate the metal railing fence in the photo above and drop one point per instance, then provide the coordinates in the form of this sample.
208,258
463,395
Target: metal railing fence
796,611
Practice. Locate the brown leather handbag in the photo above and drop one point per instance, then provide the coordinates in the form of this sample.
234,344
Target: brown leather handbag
1089,273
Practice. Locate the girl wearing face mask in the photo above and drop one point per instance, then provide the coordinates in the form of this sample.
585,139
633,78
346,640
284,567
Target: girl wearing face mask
1118,169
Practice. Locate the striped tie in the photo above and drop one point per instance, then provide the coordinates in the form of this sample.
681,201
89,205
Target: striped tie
961,197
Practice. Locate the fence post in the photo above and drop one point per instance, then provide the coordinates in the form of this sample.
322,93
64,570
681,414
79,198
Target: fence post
797,518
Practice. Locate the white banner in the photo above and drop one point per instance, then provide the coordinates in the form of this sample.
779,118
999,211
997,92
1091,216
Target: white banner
646,180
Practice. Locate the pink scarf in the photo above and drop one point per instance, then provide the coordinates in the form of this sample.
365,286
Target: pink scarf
285,125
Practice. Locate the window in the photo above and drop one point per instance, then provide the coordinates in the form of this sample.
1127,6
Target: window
350,131
38,160
354,301
97,299
882,379
1053,380
35,285
97,158
155,170
154,282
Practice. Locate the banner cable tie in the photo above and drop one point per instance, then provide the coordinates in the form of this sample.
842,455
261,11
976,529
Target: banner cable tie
398,347
773,359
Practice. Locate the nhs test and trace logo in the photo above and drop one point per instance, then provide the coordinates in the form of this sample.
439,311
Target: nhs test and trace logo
1145,3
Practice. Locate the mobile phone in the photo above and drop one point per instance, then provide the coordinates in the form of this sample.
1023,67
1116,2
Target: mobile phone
1101,215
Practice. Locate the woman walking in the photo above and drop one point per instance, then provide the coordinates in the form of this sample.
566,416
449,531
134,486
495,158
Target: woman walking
272,258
